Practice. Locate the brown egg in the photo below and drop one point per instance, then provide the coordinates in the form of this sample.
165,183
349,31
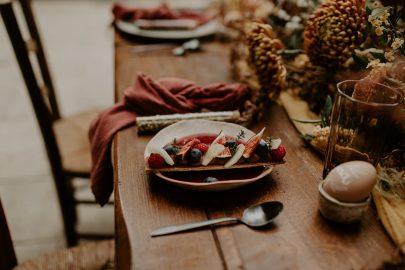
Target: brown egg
351,181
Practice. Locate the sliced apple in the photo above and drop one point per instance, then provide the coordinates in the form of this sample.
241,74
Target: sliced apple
220,138
162,152
235,158
213,151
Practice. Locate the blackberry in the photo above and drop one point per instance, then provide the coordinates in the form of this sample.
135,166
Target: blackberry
194,155
170,149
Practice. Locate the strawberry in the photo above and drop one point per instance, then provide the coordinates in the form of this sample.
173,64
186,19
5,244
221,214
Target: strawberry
155,161
278,153
203,147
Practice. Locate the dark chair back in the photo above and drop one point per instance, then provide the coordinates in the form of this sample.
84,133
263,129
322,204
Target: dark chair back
34,45
7,255
44,103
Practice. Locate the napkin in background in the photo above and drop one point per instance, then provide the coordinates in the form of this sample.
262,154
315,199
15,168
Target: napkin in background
162,12
149,97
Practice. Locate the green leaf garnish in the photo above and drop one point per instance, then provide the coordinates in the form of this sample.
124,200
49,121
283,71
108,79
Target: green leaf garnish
378,55
241,135
307,121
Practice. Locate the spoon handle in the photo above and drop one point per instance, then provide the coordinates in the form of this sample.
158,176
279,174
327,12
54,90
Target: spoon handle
190,226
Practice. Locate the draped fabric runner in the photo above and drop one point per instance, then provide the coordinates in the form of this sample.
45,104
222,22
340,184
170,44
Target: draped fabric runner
149,97
162,12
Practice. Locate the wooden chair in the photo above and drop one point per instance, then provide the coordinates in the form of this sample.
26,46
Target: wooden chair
92,255
66,140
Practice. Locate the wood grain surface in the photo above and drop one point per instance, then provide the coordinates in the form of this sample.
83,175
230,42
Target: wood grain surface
299,238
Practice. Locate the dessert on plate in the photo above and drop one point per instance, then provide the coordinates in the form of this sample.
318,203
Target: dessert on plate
209,145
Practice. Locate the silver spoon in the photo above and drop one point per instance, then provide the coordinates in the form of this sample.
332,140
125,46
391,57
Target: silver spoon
255,216
190,45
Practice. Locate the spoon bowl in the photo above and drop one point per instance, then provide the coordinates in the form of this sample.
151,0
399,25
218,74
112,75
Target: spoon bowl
255,216
191,45
262,214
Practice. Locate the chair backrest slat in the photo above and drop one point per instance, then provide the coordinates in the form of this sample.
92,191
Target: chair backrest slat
43,65
44,117
7,254
21,53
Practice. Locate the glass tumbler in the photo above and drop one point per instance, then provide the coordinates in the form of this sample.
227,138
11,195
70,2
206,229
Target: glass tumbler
360,125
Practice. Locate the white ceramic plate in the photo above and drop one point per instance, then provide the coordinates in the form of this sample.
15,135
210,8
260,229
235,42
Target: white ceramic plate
192,177
251,174
206,29
191,127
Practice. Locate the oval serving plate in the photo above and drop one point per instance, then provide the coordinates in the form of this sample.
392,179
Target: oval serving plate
206,29
190,176
228,179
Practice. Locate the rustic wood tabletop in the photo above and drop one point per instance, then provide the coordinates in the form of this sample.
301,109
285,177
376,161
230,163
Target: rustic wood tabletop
299,238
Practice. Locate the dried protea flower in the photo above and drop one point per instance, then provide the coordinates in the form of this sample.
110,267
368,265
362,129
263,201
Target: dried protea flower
334,30
264,58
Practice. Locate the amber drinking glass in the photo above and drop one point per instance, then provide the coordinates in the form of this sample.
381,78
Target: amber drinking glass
360,124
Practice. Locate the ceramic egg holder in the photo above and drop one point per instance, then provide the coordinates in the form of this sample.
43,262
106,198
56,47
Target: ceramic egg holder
344,195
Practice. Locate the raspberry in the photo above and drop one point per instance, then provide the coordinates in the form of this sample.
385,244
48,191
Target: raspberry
202,147
278,154
155,161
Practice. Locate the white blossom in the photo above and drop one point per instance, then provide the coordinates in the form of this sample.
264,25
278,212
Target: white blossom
293,26
377,4
296,19
374,63
384,17
375,21
389,56
379,31
282,14
397,43
302,3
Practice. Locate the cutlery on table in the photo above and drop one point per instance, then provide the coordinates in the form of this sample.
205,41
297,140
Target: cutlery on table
254,216
191,45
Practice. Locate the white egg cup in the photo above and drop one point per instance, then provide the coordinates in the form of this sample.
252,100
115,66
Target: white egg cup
341,212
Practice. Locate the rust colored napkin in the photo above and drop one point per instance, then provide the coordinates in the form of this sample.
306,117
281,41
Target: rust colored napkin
162,12
149,97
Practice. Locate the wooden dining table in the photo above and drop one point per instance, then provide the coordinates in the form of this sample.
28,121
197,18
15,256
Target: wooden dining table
299,238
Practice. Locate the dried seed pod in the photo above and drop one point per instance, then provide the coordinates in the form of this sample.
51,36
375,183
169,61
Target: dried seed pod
264,58
334,30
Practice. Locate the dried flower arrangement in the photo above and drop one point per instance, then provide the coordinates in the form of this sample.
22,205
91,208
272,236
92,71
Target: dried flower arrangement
304,47
307,46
